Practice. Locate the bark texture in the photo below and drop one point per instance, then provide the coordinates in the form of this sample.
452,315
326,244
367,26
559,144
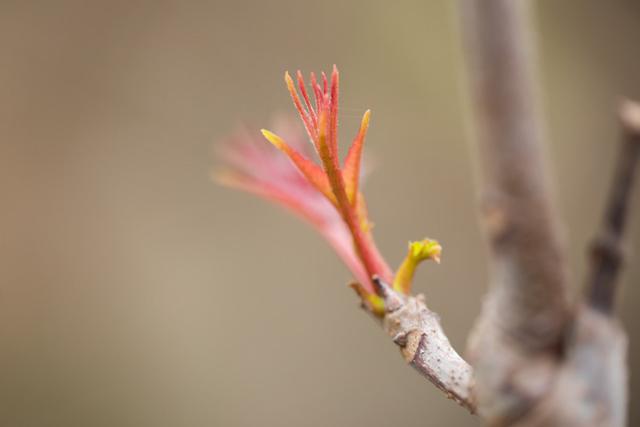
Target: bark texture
425,346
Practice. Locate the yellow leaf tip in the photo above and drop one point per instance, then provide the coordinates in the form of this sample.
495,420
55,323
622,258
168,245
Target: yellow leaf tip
366,118
272,138
288,80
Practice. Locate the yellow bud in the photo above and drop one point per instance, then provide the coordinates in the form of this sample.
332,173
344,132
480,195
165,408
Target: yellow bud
418,251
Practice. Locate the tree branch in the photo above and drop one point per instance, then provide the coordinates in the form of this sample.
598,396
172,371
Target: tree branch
528,258
517,341
606,251
424,345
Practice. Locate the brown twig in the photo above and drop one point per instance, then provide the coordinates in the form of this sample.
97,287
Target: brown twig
424,345
606,251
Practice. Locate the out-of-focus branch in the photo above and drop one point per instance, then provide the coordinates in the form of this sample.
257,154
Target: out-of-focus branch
523,230
424,345
517,342
606,251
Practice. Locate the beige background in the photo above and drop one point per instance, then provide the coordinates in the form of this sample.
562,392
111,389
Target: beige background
134,292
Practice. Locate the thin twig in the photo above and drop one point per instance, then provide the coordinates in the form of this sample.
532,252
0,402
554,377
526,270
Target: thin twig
606,251
424,345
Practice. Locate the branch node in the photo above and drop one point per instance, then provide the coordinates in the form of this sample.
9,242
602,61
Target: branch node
393,300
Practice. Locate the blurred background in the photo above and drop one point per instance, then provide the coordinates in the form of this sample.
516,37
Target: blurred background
136,292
